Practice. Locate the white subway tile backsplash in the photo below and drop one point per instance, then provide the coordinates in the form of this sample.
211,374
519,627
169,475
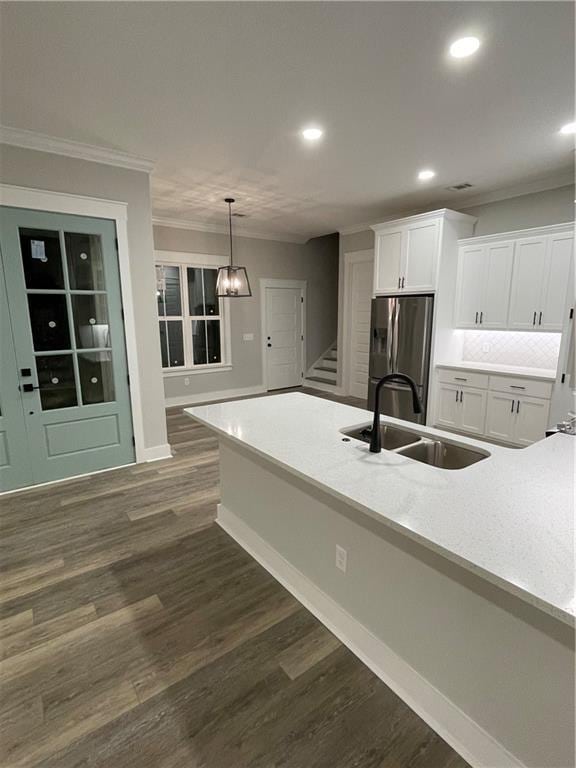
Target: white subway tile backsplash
530,350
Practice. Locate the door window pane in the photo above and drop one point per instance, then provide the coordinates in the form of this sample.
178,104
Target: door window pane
56,381
171,343
213,338
85,262
41,258
168,291
210,299
199,341
96,377
91,321
49,321
195,291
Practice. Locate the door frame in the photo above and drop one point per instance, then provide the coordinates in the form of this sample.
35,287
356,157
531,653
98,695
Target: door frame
269,282
350,258
97,208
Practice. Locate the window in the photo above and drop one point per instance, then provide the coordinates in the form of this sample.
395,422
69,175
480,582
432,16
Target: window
190,316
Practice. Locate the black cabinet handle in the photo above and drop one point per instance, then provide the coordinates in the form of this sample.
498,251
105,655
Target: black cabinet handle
461,395
402,282
534,319
518,407
456,395
268,345
540,319
516,386
481,315
512,409
476,321
460,378
398,283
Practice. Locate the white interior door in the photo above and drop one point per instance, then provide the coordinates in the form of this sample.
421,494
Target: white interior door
284,337
360,299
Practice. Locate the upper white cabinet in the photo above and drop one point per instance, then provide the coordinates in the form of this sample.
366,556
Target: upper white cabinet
408,252
483,294
517,281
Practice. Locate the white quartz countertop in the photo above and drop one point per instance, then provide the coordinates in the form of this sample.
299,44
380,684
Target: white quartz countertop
508,370
508,518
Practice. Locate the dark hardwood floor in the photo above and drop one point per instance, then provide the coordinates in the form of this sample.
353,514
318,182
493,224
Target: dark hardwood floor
135,632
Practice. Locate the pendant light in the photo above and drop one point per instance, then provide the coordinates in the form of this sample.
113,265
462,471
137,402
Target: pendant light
232,281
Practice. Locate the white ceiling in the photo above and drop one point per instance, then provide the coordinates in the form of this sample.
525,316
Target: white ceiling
215,94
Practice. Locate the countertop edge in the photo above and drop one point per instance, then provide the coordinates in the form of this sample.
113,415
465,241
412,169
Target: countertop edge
528,597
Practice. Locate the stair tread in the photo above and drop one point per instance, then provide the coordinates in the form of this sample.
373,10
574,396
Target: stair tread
321,379
325,368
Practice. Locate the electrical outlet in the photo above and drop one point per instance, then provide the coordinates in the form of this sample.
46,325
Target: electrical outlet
341,558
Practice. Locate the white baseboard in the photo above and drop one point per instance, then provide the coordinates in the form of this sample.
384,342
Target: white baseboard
212,397
454,726
157,452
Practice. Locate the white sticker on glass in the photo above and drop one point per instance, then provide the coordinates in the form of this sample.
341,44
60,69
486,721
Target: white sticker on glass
38,249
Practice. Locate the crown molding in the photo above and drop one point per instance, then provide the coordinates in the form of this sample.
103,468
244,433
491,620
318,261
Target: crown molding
566,227
216,229
18,137
563,178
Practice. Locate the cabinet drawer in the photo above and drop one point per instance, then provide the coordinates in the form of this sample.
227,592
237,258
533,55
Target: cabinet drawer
463,378
521,387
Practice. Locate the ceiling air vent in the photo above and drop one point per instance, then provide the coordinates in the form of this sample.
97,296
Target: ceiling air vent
459,187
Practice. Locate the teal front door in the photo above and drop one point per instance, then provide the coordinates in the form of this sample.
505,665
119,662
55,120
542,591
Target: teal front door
64,391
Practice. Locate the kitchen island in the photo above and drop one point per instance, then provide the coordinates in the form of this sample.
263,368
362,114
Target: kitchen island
454,586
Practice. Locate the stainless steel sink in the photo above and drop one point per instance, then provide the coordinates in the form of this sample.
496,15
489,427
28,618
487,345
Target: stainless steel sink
437,453
392,437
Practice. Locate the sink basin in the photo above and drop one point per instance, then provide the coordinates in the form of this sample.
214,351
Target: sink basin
437,453
392,437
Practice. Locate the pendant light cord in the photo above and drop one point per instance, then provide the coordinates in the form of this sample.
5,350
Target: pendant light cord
230,228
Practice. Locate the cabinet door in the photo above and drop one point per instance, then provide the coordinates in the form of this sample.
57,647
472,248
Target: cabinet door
496,299
556,282
470,285
501,416
387,261
448,407
472,410
531,420
527,280
420,261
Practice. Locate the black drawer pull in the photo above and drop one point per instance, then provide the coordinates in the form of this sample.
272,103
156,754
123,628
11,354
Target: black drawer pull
516,386
460,378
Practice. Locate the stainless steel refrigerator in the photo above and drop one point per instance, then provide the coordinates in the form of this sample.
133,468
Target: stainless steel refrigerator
400,338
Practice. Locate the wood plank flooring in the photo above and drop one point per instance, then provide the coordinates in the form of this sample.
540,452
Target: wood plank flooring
134,632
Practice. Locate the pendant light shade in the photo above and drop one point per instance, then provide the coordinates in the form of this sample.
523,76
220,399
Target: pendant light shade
232,281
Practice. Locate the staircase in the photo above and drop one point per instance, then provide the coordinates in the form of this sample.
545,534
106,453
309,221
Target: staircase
323,374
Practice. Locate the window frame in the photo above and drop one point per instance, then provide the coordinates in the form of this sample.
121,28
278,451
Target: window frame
183,260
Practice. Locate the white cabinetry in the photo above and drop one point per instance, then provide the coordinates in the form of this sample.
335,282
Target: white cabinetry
483,293
407,252
517,281
507,409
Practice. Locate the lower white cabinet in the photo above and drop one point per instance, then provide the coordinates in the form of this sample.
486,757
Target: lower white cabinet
518,420
497,407
462,408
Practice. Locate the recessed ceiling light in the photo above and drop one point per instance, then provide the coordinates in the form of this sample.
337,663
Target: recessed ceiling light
466,46
425,175
568,128
312,134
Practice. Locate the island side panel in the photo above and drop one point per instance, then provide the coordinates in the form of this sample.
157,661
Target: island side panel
441,633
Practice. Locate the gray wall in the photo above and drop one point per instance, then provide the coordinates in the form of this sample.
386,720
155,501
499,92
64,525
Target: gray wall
40,170
553,206
316,262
